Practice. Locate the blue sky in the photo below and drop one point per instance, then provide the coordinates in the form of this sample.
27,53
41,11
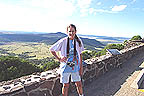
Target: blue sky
121,18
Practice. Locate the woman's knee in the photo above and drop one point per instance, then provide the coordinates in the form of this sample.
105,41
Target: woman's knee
66,85
78,84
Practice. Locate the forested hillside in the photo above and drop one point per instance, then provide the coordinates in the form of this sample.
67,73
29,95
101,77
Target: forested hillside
14,67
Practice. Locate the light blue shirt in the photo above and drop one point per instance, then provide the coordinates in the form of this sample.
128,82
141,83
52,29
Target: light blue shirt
67,68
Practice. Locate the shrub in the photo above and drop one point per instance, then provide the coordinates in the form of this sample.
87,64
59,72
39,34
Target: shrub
14,67
50,65
109,46
114,46
86,55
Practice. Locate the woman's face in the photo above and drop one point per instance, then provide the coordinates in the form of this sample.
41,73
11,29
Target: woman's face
71,33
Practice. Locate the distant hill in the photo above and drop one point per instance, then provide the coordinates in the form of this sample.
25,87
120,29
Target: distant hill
106,39
19,32
2,32
48,38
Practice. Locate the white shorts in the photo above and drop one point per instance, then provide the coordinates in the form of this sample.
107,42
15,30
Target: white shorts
75,77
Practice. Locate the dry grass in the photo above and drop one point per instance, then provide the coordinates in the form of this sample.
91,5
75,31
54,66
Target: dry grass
40,50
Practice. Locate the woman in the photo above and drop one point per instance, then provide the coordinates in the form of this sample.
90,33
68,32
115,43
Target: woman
70,49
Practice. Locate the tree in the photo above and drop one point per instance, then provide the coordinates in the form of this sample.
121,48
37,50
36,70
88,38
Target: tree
50,65
137,37
109,46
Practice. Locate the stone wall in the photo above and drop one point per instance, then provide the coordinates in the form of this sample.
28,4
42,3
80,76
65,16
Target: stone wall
47,83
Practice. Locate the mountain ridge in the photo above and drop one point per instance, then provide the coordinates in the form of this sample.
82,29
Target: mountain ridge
48,38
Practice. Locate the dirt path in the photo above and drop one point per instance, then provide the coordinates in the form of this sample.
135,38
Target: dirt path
116,82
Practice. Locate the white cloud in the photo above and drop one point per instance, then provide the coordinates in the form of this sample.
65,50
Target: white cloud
91,10
61,8
84,6
119,8
53,8
84,12
133,1
84,3
103,11
99,3
94,11
36,15
115,9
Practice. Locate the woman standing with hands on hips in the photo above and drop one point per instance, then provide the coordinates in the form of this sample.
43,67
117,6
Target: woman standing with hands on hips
70,49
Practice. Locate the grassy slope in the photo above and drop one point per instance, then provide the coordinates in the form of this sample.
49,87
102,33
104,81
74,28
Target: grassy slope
36,50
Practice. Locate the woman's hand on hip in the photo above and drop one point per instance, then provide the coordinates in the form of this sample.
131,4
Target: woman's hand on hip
63,59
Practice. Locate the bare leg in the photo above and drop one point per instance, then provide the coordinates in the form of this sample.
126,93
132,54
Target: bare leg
65,89
79,87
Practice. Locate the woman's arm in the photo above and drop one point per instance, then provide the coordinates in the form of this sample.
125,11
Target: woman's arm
81,66
57,57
